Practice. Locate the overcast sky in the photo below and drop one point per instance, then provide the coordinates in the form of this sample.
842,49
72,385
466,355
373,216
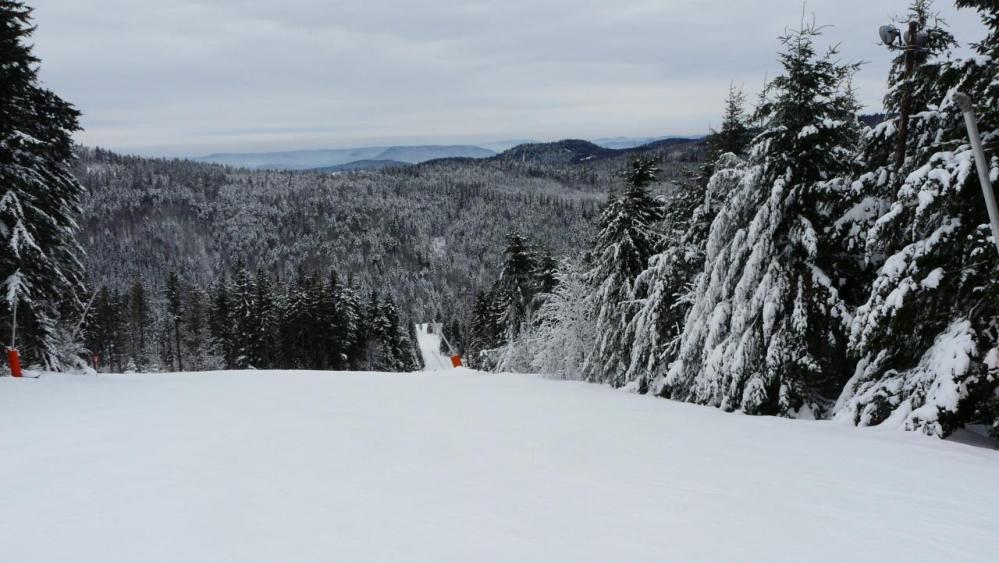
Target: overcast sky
190,77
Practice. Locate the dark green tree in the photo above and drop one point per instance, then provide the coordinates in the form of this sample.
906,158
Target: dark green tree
39,197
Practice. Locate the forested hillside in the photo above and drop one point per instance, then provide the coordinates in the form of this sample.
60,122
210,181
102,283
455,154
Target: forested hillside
429,233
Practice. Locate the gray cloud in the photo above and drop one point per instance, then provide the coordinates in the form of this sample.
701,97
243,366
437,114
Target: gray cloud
186,77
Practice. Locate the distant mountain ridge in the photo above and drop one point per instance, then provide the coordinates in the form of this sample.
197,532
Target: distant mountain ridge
330,158
635,142
577,151
567,151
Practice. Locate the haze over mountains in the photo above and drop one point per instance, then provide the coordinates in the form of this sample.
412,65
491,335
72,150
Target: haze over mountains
329,158
373,158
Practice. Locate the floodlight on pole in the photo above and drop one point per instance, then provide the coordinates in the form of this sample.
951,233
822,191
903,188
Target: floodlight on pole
889,35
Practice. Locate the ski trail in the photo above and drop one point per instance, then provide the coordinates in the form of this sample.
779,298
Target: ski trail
430,344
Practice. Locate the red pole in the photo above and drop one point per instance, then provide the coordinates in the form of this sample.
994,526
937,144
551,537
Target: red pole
15,362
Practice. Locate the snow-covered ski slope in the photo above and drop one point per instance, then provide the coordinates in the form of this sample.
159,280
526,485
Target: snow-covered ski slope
430,345
461,466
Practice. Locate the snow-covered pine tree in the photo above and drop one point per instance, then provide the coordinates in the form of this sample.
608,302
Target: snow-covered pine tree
516,286
662,290
626,240
243,295
874,189
414,347
39,198
103,329
356,325
263,325
221,323
733,137
397,338
766,329
175,316
927,335
486,331
342,319
138,325
565,331
291,341
197,341
378,350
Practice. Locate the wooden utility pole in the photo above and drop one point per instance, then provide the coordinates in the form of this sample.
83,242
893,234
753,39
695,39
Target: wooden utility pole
904,108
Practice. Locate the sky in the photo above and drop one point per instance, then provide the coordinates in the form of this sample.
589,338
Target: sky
192,77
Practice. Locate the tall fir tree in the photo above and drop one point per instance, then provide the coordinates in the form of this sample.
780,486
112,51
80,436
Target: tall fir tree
516,286
766,332
262,323
175,316
139,325
627,238
39,198
662,290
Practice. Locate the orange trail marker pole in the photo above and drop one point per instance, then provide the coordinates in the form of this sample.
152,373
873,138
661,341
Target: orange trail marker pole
15,362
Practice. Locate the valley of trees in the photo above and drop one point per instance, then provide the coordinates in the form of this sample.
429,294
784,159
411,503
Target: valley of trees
804,272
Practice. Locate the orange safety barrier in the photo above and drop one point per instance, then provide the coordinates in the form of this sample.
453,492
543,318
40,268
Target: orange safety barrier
456,361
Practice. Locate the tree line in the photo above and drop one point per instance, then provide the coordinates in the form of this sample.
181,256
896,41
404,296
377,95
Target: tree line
806,271
250,320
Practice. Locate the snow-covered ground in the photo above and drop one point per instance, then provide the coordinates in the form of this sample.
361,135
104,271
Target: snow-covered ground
430,345
460,466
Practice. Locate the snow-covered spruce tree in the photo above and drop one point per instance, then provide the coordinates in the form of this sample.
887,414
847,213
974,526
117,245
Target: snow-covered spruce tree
626,240
516,286
766,333
486,332
342,305
927,335
565,329
414,347
139,325
350,301
397,338
39,198
263,345
175,316
222,323
662,289
244,327
874,188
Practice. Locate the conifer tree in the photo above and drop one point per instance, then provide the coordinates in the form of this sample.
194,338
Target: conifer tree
175,312
243,325
355,324
565,333
487,330
414,347
39,198
662,290
926,336
221,323
626,240
262,323
139,320
516,286
766,329
196,334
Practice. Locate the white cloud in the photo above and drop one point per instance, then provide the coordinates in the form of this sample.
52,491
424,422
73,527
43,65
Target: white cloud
196,76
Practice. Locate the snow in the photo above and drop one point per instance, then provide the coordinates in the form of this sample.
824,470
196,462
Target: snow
459,465
430,344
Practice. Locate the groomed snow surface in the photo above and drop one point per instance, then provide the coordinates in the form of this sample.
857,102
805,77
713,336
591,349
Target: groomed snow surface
461,466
